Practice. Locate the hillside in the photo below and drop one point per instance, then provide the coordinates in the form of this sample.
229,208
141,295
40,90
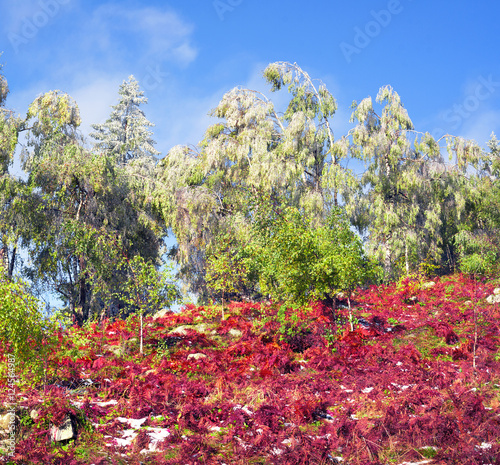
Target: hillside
417,381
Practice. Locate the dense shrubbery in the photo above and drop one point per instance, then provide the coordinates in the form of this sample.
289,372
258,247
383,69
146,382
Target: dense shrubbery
418,378
25,333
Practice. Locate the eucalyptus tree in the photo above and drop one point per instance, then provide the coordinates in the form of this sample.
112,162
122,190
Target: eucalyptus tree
252,153
8,127
10,187
410,200
126,134
86,216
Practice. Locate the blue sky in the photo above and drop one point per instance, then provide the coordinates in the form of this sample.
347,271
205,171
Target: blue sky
441,57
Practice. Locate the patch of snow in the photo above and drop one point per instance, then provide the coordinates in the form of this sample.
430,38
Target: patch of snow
484,446
106,403
133,423
416,463
244,409
156,435
367,390
345,389
127,437
404,387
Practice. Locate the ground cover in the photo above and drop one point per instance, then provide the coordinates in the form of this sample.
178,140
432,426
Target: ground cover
417,381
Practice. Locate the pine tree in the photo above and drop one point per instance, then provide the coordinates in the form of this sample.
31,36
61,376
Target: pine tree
125,133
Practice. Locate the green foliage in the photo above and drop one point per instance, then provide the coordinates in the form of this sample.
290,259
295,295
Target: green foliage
477,239
53,112
253,207
24,332
299,262
147,289
226,268
252,151
408,202
9,131
478,258
85,212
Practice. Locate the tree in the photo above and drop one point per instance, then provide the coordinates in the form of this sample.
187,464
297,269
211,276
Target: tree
408,200
299,262
10,188
24,332
318,154
86,211
477,237
125,133
226,269
252,153
9,126
91,216
147,290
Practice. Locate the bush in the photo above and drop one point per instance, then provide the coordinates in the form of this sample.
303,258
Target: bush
24,331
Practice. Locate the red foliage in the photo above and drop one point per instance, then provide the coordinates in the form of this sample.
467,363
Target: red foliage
413,374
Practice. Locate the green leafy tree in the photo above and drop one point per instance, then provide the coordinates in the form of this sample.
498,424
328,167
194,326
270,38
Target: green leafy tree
252,152
126,134
9,127
10,187
477,238
85,211
147,290
226,269
299,262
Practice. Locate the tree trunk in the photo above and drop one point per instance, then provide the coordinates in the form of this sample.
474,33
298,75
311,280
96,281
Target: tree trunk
82,306
387,261
407,264
12,262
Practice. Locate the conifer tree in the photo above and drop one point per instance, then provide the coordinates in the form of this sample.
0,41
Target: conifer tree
126,134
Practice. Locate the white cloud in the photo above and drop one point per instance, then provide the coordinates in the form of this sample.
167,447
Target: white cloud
155,33
481,127
95,99
16,13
